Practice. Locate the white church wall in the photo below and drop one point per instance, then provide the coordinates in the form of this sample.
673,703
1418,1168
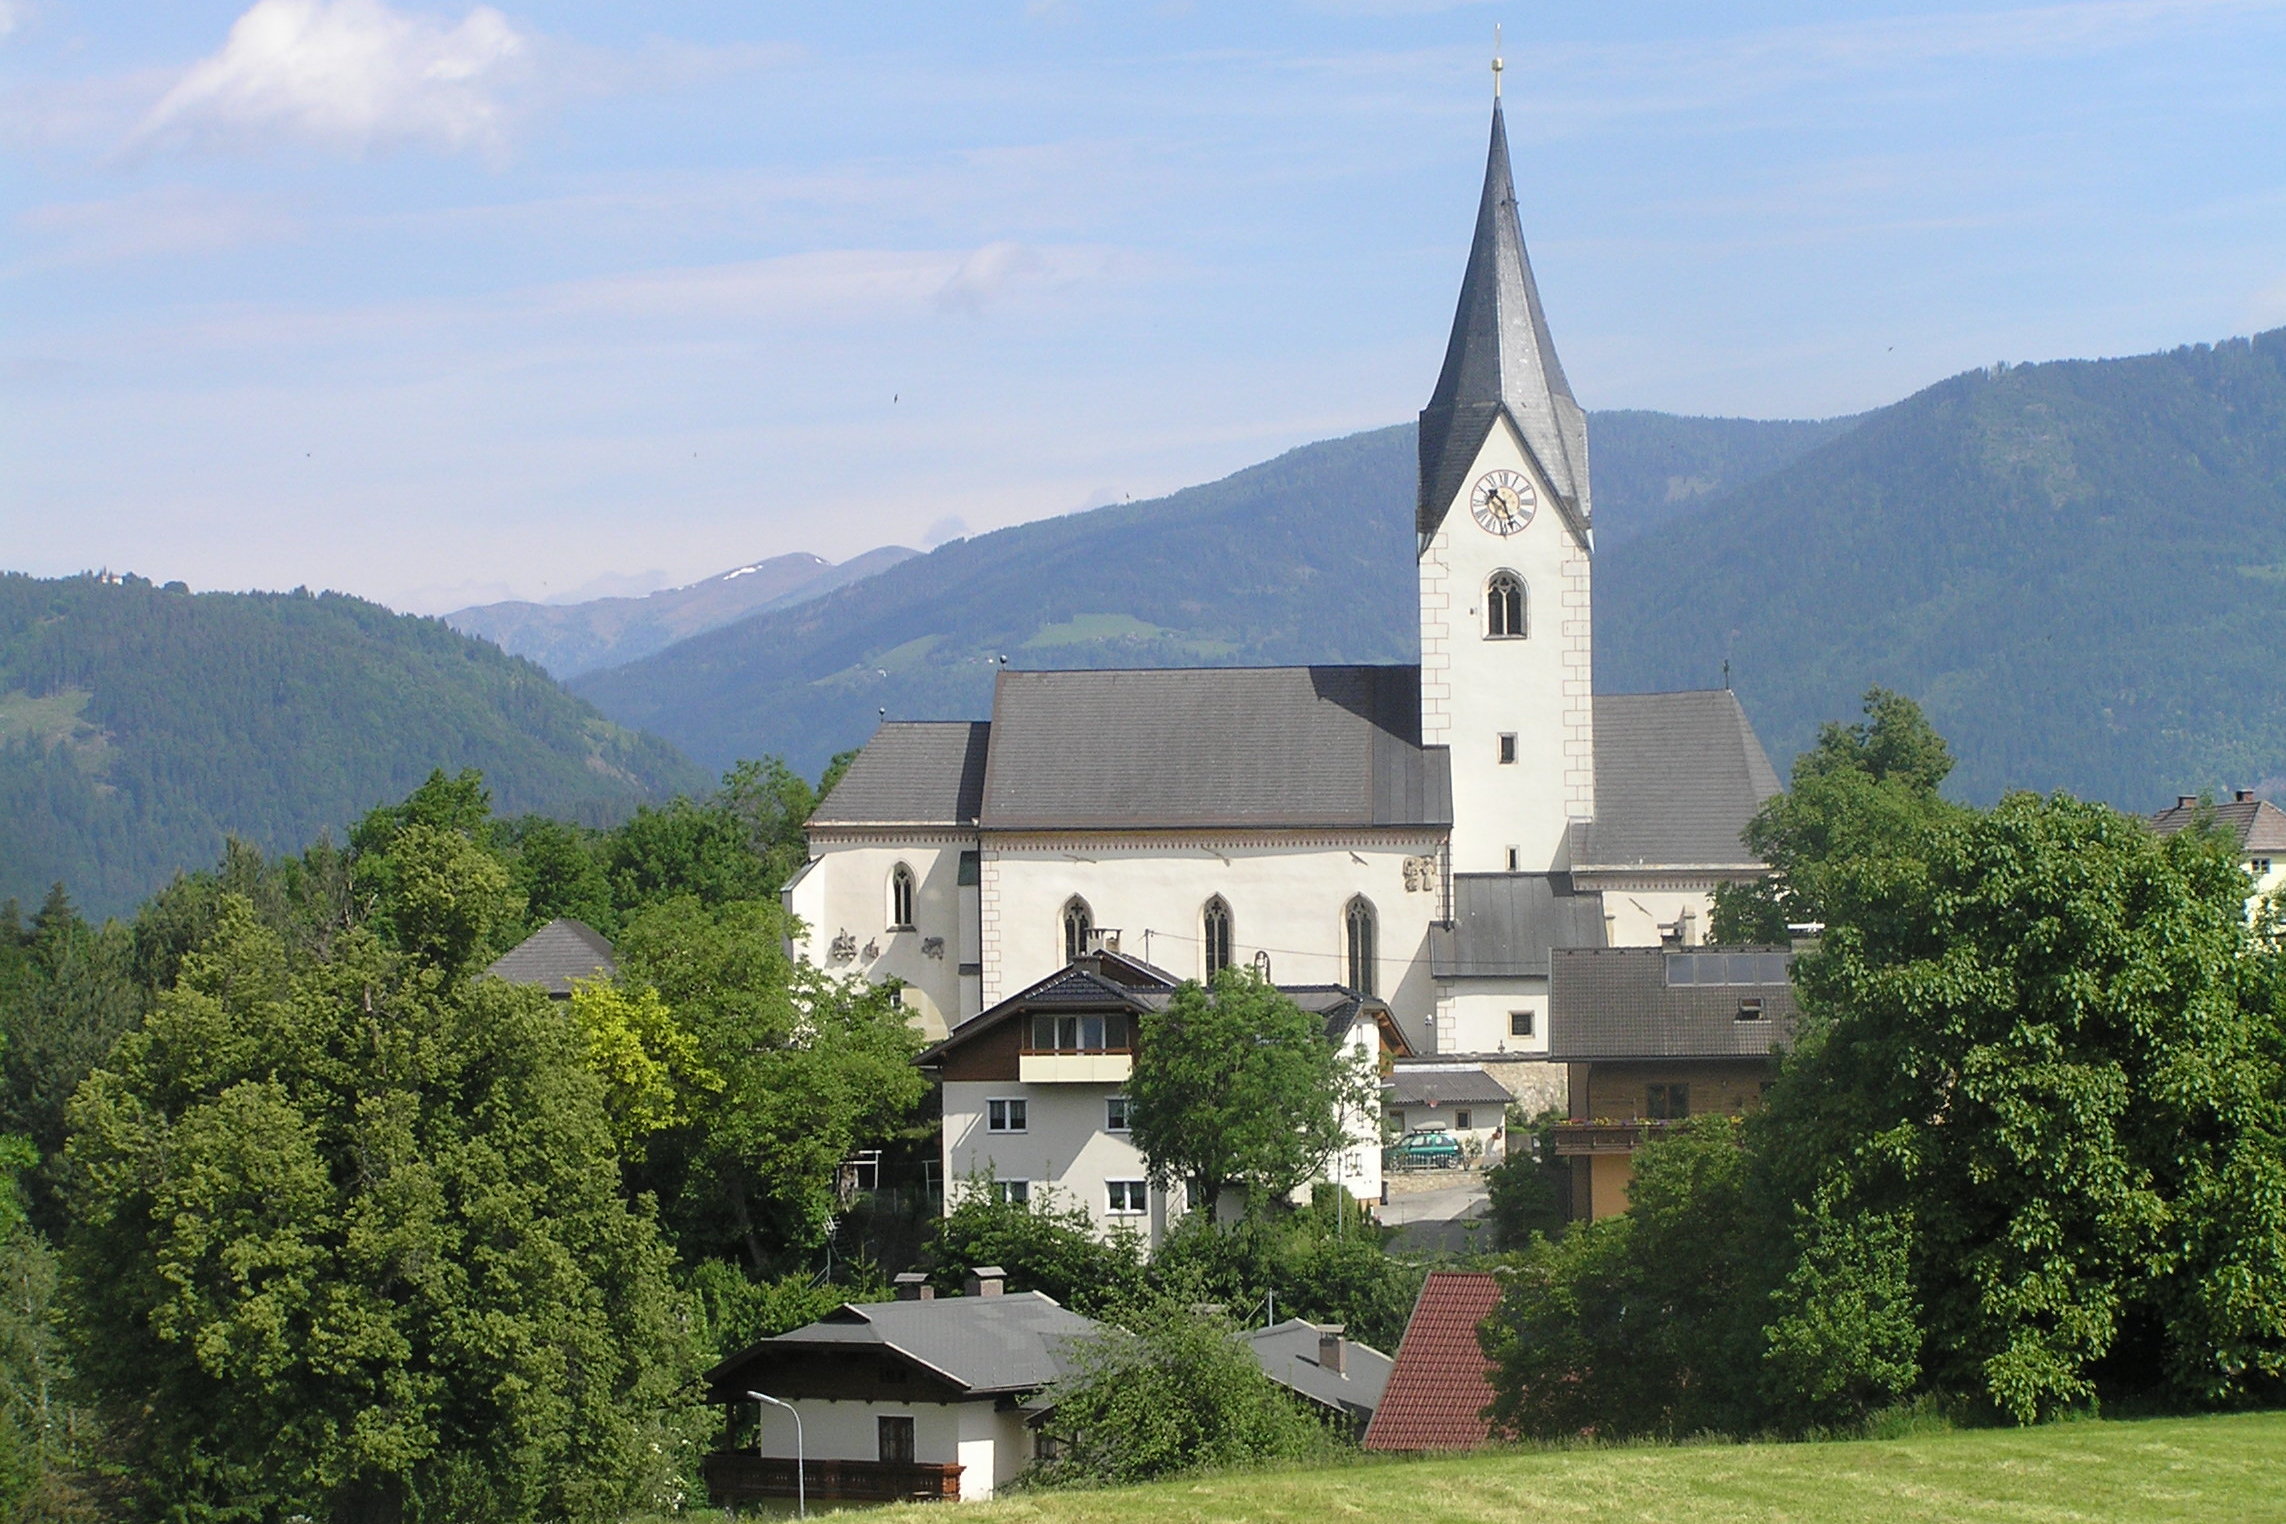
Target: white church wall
845,898
1475,689
1287,897
1478,1016
1636,917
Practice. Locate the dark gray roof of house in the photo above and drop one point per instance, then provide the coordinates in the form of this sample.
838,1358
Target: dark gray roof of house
1212,747
1677,778
1501,361
1017,1342
555,956
913,772
2257,824
1504,923
1620,1003
1289,1355
1443,1085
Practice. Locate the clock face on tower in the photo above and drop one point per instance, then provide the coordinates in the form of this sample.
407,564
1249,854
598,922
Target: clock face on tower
1503,501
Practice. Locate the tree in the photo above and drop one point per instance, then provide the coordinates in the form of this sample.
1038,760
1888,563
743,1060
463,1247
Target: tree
1044,1244
1239,1086
351,1244
1174,1391
1528,1191
805,1066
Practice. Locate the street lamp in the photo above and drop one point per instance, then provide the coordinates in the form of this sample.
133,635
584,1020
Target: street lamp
801,1495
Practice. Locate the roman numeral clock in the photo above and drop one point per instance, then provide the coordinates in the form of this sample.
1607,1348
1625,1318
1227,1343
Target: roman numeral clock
1503,502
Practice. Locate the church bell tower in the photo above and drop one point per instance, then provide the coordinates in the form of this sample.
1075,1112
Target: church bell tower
1505,546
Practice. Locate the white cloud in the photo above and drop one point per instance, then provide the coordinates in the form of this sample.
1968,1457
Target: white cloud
352,74
11,16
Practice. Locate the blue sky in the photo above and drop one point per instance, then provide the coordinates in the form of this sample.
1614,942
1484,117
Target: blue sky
439,304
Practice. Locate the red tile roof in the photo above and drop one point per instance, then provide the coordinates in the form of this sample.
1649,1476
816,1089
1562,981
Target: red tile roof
1441,1382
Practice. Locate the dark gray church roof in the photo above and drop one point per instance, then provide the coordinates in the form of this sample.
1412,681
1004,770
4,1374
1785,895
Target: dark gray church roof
1501,361
982,1344
1639,1002
556,955
1677,778
1212,746
1504,923
913,772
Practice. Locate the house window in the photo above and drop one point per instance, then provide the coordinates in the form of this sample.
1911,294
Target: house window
1125,1198
1521,1023
1004,1116
1079,1034
1078,922
1012,1192
1397,1122
2258,866
896,1439
1750,1008
1115,1113
1215,922
1667,1103
1357,927
900,898
1504,607
1462,1120
1507,747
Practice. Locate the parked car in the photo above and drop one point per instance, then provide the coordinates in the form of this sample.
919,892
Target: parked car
1426,1148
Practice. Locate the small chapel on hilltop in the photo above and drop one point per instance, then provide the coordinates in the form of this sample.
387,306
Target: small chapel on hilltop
1401,846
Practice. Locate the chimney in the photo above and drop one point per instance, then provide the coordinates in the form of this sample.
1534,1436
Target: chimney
2185,801
913,1286
986,1280
1333,1349
2242,796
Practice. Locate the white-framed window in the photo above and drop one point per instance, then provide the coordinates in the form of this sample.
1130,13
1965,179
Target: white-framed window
1357,931
2258,866
1012,1192
1115,1113
901,885
1504,607
1078,922
1126,1198
1005,1115
1521,1024
1463,1120
1214,925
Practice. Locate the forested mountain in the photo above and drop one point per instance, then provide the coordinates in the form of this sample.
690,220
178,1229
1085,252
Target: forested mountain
571,638
2079,568
140,725
1305,558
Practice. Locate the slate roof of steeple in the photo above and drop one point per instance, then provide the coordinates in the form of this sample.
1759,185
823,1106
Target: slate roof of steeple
1501,361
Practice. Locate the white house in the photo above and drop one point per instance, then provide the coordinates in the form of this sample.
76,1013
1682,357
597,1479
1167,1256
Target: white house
922,1397
1034,1091
1420,836
2257,825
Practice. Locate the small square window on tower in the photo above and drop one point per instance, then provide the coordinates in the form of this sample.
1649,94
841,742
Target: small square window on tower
1520,1023
1507,747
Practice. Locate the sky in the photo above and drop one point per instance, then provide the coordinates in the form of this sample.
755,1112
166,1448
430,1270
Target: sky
441,304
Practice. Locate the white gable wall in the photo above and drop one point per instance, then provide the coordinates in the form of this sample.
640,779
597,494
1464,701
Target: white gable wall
991,1446
846,893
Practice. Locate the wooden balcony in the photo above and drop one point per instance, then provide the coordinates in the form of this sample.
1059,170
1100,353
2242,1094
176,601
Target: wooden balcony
741,1476
1605,1137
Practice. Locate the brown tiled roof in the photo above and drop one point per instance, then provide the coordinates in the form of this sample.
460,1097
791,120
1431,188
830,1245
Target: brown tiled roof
1441,1383
2259,825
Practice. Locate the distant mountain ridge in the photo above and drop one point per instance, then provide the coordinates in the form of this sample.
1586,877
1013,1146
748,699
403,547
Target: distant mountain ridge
2078,567
1305,558
571,638
140,725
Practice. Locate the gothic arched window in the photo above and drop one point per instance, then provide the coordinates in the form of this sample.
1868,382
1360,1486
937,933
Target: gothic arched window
1078,922
900,898
1215,923
1504,606
1357,927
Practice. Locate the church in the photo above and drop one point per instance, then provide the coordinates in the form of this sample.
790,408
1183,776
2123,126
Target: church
1401,847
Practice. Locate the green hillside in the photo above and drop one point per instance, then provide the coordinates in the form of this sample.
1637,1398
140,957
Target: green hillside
1305,558
139,725
2079,568
2164,1471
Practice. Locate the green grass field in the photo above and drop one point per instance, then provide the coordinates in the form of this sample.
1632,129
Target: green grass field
2225,1470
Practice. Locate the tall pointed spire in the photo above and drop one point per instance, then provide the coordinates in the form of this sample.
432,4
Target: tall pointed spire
1500,360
